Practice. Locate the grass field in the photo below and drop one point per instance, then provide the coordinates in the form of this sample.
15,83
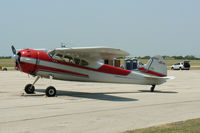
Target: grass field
189,126
7,63
195,64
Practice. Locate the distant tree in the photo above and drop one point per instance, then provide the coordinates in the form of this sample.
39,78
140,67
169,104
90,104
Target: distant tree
146,57
191,57
5,57
178,57
166,57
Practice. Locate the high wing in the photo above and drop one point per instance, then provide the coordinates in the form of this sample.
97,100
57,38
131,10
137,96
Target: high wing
92,53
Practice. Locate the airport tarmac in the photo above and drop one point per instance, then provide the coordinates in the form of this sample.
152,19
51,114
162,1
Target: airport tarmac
95,107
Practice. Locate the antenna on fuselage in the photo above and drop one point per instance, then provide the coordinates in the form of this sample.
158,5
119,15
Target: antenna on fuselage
65,45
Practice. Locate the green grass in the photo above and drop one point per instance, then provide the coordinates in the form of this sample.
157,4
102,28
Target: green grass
189,126
7,63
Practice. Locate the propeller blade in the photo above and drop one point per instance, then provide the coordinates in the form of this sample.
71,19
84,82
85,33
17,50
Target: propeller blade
13,49
16,57
20,68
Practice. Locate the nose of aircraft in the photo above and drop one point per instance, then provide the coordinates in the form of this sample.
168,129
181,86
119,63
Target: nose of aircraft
27,60
16,57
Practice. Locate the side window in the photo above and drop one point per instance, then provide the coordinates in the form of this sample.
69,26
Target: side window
68,59
58,57
77,61
84,63
80,62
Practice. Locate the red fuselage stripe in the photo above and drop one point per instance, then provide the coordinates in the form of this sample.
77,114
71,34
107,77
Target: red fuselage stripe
59,70
39,67
113,70
142,69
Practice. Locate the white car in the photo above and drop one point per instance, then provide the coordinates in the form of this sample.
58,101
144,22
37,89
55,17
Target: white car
181,66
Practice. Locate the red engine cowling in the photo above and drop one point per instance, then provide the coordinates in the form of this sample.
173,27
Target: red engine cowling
28,60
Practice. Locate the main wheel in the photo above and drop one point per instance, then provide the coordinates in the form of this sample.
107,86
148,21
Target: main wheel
50,91
29,89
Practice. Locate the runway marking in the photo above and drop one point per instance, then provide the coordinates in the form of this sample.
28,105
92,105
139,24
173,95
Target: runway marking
101,110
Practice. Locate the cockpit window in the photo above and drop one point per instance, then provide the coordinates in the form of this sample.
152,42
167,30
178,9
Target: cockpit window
84,63
58,57
67,58
51,53
77,61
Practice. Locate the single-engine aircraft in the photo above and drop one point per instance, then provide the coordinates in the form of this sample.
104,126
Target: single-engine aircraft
85,64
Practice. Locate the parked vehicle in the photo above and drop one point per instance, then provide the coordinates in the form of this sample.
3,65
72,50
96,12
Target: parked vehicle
3,68
181,66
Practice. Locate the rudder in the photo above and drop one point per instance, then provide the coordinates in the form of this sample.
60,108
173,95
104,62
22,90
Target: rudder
157,66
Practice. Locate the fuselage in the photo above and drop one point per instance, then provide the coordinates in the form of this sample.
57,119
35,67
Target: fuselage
40,63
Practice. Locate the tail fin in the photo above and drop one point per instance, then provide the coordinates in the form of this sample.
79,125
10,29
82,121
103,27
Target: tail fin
156,66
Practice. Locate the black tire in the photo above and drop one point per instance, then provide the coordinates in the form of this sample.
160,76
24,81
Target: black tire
5,69
50,91
28,89
180,68
172,68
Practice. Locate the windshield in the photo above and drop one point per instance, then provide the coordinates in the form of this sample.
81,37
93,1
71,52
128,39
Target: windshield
51,53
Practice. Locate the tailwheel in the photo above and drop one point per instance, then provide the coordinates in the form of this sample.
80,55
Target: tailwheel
152,88
29,89
50,91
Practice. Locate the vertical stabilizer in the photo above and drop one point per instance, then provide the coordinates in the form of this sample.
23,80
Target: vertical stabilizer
156,66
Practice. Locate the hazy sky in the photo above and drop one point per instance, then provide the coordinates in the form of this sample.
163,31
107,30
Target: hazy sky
142,27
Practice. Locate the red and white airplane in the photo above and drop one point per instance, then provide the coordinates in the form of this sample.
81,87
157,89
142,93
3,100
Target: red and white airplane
86,64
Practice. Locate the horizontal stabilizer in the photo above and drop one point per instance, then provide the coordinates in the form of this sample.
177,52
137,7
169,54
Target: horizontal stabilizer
155,77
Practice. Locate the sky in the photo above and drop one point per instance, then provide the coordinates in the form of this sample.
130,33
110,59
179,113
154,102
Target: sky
140,27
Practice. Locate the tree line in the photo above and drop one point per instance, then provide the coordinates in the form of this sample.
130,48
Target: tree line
5,57
187,57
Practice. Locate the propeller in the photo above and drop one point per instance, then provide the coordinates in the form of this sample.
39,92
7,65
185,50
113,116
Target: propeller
16,57
13,50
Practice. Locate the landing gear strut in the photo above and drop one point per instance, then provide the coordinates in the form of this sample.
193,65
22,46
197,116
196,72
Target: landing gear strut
152,88
30,88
